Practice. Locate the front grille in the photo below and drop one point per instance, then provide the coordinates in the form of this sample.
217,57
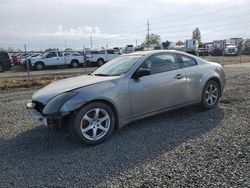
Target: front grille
39,106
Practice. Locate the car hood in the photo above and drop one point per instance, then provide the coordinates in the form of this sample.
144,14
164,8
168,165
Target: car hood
47,93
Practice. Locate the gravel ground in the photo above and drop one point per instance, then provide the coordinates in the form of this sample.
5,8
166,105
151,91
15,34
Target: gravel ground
182,148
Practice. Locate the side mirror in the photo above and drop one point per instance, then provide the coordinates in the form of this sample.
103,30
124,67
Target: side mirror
141,72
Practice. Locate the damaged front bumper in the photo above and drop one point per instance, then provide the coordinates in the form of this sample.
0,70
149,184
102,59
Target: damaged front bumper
37,116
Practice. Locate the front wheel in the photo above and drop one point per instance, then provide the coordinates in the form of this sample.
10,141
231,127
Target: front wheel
39,66
210,95
93,124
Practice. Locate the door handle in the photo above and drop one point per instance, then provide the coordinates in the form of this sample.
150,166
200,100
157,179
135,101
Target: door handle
178,76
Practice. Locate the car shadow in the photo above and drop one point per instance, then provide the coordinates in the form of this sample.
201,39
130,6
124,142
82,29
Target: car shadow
50,154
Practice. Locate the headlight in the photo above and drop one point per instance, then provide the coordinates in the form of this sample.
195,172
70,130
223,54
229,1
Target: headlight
56,103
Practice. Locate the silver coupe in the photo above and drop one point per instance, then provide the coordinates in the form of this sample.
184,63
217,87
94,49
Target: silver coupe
128,88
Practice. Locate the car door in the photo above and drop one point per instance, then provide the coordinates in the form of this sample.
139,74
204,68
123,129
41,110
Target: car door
62,59
51,59
163,88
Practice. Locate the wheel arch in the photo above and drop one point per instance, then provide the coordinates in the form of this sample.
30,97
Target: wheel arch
100,58
76,60
39,62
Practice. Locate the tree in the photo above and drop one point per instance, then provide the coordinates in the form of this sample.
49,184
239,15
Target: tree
197,34
179,43
152,40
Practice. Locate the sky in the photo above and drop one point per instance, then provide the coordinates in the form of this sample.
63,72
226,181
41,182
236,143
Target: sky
42,24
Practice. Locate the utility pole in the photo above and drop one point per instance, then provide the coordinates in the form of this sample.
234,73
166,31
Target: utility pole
135,42
91,44
106,53
65,45
148,32
27,63
84,59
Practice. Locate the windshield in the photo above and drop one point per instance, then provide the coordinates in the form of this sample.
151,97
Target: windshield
117,66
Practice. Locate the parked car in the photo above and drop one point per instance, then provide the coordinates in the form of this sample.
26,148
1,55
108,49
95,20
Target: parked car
203,51
129,49
14,59
231,50
22,56
246,47
218,47
128,88
5,61
55,58
100,57
32,55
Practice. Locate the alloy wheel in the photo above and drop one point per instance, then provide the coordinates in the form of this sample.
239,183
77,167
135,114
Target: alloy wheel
95,124
212,94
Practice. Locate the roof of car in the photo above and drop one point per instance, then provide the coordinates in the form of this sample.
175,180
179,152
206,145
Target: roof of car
150,52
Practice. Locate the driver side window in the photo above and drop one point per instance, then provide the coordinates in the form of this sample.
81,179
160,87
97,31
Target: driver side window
51,54
162,62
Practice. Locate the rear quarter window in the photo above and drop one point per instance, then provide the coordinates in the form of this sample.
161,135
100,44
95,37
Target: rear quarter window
187,61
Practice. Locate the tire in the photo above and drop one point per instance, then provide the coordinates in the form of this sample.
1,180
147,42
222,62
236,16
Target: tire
93,123
2,68
39,66
210,95
100,62
74,64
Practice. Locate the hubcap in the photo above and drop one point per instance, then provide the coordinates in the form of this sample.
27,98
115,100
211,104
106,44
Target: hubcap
211,94
100,63
39,67
95,124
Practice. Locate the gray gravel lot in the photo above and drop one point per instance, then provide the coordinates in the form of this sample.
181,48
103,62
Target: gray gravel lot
182,148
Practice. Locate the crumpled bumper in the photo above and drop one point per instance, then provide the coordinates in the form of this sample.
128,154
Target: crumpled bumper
37,116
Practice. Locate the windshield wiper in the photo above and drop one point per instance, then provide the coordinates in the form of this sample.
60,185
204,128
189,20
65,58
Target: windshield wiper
102,74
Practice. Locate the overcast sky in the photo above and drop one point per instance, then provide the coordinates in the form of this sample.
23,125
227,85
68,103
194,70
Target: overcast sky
55,23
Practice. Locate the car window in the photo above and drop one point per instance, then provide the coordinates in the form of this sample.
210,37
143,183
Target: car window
101,52
4,55
60,54
110,51
94,52
51,54
161,63
187,61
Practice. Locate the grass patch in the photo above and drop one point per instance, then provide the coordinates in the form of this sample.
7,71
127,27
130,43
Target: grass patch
10,83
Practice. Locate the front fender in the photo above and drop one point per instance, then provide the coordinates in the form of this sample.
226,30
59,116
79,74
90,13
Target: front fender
73,103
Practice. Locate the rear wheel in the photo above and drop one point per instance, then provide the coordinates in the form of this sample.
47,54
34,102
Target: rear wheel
210,95
74,64
39,66
100,62
93,124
